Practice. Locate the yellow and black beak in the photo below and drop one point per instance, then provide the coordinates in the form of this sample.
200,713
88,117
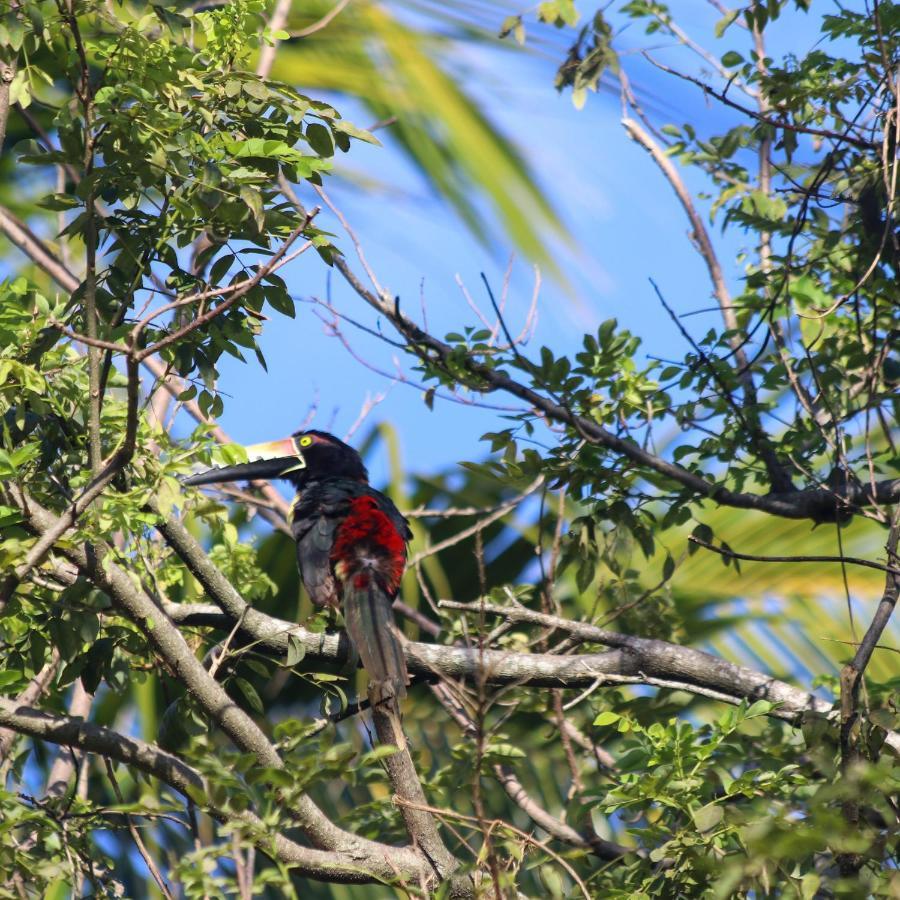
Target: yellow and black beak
273,459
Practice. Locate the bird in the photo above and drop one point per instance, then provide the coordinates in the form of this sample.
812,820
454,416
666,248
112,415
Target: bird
351,545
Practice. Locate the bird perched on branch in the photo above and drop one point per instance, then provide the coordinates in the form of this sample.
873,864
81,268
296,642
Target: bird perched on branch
351,545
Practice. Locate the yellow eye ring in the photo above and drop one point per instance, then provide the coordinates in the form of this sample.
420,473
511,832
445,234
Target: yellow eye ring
305,441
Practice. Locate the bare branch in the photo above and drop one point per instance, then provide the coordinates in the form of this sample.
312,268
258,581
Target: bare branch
333,13
722,97
728,553
277,22
168,642
28,697
342,865
698,229
136,836
777,476
634,660
491,517
32,246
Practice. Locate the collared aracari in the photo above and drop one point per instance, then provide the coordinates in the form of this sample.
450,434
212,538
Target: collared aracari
351,542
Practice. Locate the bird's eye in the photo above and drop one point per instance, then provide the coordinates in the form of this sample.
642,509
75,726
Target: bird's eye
305,441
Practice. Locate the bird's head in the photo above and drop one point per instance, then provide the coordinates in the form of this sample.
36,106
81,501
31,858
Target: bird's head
303,457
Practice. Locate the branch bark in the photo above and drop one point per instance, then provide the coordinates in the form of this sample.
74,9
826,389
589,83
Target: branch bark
779,479
817,504
29,696
634,660
8,66
420,823
851,681
370,858
325,865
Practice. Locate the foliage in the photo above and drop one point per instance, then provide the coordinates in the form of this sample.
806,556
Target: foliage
184,183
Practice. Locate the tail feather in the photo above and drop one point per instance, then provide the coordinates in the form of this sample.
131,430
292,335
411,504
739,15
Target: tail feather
370,625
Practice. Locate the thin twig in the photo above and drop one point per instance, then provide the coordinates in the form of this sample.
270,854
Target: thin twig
748,557
321,23
489,519
136,835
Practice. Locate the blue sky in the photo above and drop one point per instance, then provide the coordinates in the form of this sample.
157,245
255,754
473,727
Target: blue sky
625,219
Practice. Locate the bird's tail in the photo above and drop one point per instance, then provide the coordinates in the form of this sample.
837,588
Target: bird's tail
370,625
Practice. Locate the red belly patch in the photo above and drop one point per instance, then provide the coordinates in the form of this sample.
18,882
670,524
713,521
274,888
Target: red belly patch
368,541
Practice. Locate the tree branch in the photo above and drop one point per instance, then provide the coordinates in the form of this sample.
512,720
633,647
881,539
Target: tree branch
336,866
47,537
723,97
852,674
728,553
167,641
29,696
8,66
634,660
235,294
404,779
818,504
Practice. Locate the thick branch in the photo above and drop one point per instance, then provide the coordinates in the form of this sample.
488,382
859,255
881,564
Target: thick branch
168,642
813,503
634,660
30,695
336,866
420,823
48,536
8,66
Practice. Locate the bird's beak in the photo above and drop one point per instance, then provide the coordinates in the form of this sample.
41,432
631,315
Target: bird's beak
269,460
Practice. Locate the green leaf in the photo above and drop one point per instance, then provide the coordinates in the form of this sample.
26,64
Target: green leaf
759,708
254,201
606,718
320,139
10,677
220,267
668,567
249,693
348,128
809,885
59,202
295,650
708,817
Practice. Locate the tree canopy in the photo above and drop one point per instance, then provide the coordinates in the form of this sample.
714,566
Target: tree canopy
649,631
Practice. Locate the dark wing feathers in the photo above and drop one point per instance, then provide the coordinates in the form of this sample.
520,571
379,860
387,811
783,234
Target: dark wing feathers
314,559
317,513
